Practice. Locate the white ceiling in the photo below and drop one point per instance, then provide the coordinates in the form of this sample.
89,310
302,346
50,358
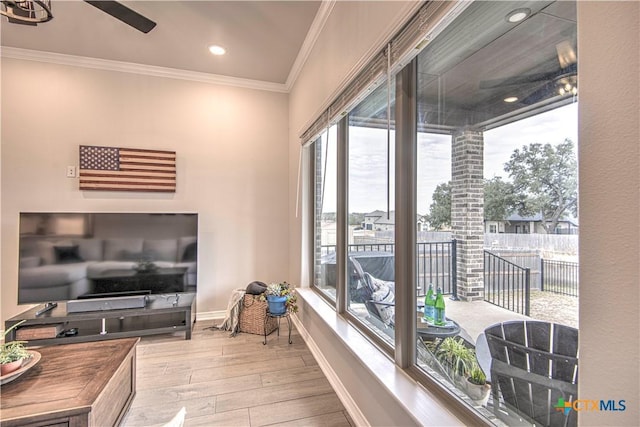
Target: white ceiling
263,38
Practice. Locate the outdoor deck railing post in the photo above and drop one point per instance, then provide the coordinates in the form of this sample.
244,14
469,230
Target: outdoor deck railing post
454,270
541,274
527,295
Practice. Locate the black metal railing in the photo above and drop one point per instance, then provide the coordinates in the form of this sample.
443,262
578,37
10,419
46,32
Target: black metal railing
435,264
560,277
506,284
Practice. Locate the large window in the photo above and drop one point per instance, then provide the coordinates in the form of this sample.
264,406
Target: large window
501,74
370,252
496,156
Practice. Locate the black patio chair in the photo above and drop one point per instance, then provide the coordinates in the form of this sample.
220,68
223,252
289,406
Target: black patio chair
534,367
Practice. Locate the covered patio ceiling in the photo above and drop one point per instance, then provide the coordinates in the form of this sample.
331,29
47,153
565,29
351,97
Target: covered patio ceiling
466,73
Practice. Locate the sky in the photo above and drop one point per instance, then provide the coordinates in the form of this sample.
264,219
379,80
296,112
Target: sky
368,158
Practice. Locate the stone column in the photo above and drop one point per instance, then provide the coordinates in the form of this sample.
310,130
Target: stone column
467,211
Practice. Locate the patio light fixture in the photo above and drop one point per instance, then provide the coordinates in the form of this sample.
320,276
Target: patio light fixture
518,15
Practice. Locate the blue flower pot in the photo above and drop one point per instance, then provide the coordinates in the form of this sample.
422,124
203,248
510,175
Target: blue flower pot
277,305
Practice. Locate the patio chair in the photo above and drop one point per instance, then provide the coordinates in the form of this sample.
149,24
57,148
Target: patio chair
534,367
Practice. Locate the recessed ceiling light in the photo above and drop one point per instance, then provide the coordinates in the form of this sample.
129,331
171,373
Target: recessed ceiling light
217,50
518,15
511,99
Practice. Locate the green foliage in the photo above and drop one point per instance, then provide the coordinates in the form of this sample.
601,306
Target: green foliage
356,218
477,375
500,199
14,350
545,179
461,359
283,289
456,355
439,216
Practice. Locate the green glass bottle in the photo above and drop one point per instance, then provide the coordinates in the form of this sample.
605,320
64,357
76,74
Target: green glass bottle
429,304
439,317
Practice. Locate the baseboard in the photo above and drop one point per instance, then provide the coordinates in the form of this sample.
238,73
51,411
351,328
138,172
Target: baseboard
354,412
211,315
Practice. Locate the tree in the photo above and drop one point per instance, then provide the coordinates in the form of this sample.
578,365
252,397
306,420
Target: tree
439,215
500,199
499,202
545,179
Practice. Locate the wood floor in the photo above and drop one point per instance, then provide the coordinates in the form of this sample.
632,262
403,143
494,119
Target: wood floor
224,381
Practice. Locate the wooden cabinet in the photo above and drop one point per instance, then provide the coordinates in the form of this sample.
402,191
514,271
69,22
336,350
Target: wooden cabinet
85,384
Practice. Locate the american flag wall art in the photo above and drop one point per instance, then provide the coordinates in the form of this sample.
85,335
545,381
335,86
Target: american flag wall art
127,169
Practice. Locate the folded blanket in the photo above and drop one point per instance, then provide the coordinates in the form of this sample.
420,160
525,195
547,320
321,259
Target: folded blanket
231,321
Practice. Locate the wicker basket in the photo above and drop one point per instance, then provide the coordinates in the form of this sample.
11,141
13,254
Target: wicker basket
253,314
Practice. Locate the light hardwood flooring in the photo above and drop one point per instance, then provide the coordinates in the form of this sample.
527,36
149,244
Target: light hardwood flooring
225,381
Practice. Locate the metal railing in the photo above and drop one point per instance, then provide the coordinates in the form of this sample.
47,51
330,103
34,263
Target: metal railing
436,263
506,284
560,277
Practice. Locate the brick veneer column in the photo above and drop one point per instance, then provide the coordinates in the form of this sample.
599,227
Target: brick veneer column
467,211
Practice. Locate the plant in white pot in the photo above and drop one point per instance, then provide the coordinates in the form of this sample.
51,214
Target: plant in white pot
281,298
476,385
12,354
459,361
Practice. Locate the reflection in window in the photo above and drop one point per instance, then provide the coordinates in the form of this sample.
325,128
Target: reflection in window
325,162
370,268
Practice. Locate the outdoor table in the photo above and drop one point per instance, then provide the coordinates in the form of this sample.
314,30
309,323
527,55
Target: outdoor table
434,332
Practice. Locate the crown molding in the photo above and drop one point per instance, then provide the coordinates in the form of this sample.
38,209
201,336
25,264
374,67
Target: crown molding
147,70
317,25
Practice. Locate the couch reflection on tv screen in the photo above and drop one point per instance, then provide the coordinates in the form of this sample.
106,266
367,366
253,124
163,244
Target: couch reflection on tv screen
55,269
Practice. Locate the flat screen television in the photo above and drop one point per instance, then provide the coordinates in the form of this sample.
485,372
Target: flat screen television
66,256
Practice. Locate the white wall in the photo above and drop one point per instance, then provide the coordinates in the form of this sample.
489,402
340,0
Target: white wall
609,162
232,161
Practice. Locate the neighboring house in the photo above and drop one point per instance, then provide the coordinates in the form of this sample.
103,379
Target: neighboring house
422,224
529,225
379,221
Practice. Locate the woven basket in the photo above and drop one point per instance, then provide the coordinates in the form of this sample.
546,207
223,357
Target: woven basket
253,314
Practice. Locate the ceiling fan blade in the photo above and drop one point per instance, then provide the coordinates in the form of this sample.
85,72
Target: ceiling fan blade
539,94
529,78
124,14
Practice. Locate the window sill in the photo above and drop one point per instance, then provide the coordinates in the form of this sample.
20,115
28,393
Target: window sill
410,399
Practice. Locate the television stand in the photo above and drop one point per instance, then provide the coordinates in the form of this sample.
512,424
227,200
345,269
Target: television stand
163,313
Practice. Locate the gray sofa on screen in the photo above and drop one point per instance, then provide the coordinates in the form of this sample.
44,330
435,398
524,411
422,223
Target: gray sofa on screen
62,269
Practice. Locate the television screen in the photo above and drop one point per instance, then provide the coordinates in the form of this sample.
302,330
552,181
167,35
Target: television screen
67,256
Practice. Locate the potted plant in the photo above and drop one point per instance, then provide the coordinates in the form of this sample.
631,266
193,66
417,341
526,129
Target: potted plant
456,357
459,361
281,298
476,385
12,354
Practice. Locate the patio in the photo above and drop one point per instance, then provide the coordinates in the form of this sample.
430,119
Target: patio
475,316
